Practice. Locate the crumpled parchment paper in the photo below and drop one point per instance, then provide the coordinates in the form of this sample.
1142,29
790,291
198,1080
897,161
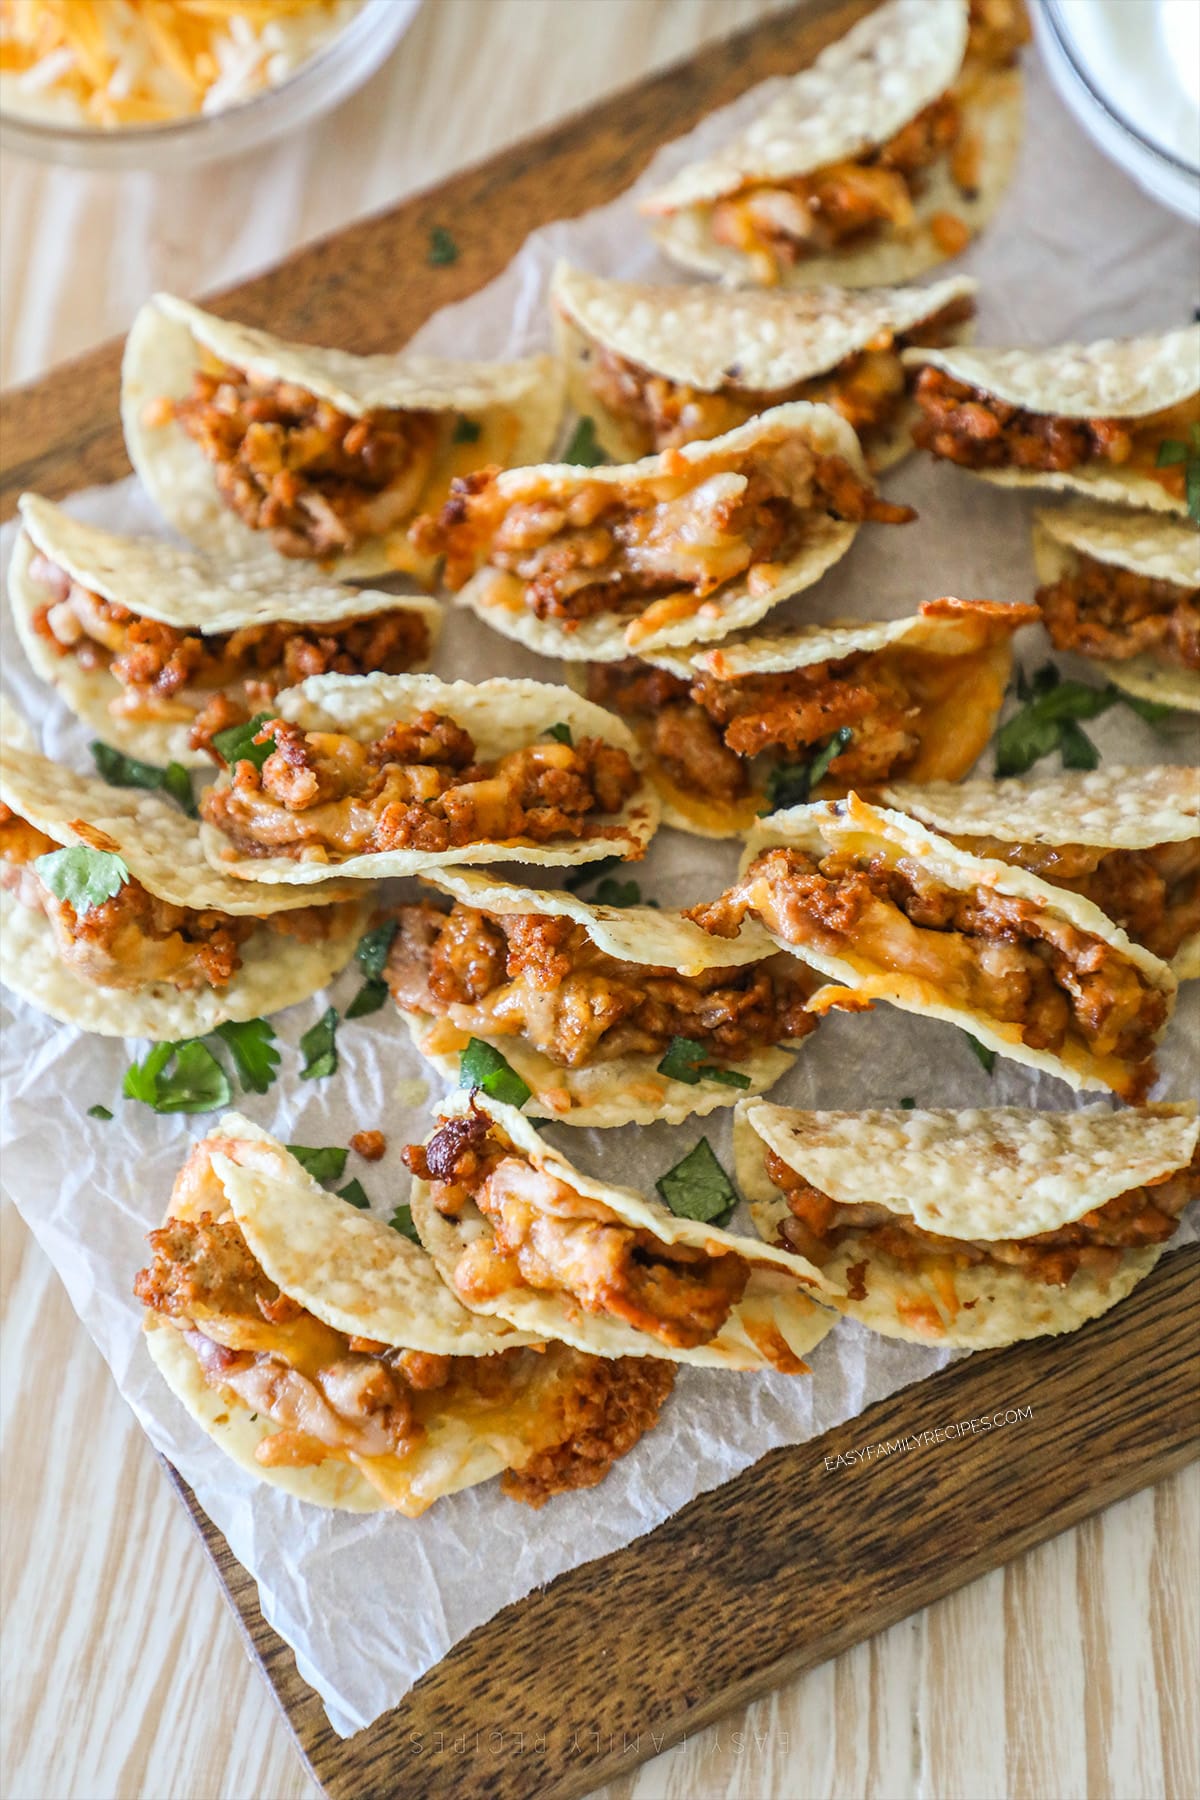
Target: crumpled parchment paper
369,1603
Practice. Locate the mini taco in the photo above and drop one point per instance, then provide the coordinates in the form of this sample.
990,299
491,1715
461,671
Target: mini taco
319,1349
521,1234
747,727
593,1007
1126,839
113,921
658,367
596,563
250,444
143,640
373,775
879,161
1124,588
1102,419
971,1228
889,911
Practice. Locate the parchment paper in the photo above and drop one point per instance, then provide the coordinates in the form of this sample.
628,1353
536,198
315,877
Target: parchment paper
368,1604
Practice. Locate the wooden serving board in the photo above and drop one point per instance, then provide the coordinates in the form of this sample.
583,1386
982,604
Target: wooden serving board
801,1556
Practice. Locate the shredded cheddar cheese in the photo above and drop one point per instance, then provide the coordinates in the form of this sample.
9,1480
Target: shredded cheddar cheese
113,63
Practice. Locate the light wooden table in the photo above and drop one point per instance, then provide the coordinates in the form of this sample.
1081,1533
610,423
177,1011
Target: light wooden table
1067,1674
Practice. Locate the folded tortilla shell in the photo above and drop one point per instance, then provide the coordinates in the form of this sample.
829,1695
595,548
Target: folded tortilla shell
709,338
958,725
181,588
626,1090
858,93
515,404
1146,543
854,827
775,1322
987,1176
498,597
160,846
1114,378
501,715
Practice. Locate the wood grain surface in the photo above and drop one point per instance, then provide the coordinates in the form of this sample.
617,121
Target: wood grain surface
1069,1672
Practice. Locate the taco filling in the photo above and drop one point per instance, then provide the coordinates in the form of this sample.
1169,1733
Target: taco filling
998,956
857,202
356,1400
136,939
608,548
977,430
869,389
318,481
322,794
1099,609
542,978
166,672
545,1235
819,1226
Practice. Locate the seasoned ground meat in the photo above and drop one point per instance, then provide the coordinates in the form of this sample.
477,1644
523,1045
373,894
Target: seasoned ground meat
160,667
1005,958
287,463
608,549
542,976
615,1401
968,426
1096,1243
419,786
1101,610
544,1235
202,1266
370,1145
867,389
21,842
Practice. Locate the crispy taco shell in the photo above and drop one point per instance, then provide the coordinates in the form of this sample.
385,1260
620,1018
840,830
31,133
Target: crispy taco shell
984,1176
710,339
1158,548
501,715
857,94
516,406
625,1090
183,589
773,1325
161,849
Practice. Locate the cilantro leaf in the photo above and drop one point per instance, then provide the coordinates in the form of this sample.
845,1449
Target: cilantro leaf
236,743
1076,747
698,1187
319,1047
120,770
324,1163
685,1061
907,1103
466,431
82,877
371,953
610,892
98,1112
1172,452
442,248
1153,711
584,877
196,1083
402,1221
561,732
985,1057
790,784
1049,720
354,1194
582,449
369,998
252,1043
481,1066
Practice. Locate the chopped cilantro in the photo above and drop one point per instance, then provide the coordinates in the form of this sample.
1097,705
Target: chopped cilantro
1048,721
790,784
611,892
698,1187
319,1047
442,248
369,998
584,877
354,1194
907,1103
82,877
371,956
324,1163
466,431
252,1043
1172,452
98,1112
561,732
582,450
127,771
402,1221
684,1061
481,1066
985,1057
236,744
195,1083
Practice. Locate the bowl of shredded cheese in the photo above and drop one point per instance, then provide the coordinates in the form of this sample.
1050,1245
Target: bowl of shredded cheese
172,83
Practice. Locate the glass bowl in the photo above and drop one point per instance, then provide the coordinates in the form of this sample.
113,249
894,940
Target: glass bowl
318,85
